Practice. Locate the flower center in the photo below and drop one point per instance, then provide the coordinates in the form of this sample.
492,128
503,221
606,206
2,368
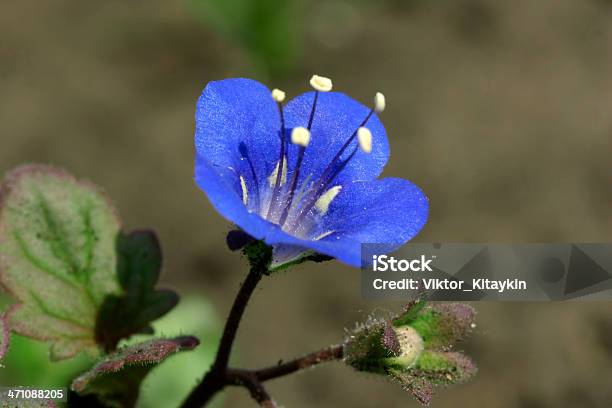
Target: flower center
298,208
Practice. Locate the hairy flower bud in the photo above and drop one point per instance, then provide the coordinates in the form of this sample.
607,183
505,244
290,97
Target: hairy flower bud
412,347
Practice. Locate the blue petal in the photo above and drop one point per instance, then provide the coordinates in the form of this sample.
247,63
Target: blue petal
336,118
389,211
237,126
220,185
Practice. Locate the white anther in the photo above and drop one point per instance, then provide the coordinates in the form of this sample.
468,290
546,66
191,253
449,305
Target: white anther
278,95
323,235
364,137
300,136
321,83
379,102
245,192
326,198
274,175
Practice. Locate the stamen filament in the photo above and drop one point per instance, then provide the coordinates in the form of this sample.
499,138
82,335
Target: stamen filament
281,162
301,192
312,111
255,181
345,146
296,173
325,179
312,200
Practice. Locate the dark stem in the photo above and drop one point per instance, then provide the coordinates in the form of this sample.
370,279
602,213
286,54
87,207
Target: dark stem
249,380
215,380
310,360
220,375
253,379
233,320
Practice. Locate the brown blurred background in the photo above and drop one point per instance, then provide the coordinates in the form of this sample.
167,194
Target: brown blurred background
500,111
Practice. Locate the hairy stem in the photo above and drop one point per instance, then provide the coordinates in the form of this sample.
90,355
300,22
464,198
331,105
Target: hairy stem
250,381
235,316
253,379
310,360
215,380
220,375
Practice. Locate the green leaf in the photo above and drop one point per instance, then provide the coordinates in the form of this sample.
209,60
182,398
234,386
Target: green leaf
117,377
57,256
138,272
80,283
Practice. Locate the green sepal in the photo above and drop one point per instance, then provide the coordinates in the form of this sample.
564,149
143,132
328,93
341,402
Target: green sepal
410,312
433,369
259,256
365,347
419,387
441,325
444,368
307,256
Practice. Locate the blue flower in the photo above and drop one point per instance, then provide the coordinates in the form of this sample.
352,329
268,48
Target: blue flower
302,177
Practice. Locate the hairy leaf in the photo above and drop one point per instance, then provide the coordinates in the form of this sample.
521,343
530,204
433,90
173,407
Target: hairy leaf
117,377
57,256
64,259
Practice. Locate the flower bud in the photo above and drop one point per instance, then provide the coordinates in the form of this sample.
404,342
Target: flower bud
441,325
411,348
